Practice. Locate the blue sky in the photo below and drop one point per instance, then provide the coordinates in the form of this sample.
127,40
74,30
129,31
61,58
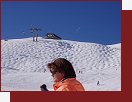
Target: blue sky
98,22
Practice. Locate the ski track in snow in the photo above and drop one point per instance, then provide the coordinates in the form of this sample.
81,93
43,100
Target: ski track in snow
24,63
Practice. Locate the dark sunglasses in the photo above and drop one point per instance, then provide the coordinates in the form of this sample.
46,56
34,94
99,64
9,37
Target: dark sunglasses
53,72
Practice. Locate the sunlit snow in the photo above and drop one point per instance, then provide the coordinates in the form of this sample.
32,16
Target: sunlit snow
24,64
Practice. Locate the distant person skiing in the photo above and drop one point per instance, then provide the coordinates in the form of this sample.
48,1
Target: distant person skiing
64,76
80,71
98,83
44,70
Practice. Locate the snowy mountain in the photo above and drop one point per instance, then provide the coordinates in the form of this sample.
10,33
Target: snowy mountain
24,64
118,46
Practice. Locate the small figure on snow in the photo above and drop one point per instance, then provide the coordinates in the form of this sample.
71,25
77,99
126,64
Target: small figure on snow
98,83
79,71
44,70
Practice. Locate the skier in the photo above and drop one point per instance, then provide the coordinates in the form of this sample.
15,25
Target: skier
98,83
79,71
64,76
44,70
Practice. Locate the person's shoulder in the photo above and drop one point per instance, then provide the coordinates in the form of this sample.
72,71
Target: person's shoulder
64,87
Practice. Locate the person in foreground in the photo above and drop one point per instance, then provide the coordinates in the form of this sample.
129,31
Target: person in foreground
64,76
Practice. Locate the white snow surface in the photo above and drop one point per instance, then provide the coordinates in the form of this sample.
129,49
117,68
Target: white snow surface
24,64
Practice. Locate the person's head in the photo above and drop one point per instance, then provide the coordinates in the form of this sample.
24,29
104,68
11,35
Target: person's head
61,69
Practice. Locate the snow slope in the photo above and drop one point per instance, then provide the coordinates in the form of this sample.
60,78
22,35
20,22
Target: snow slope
24,64
117,46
